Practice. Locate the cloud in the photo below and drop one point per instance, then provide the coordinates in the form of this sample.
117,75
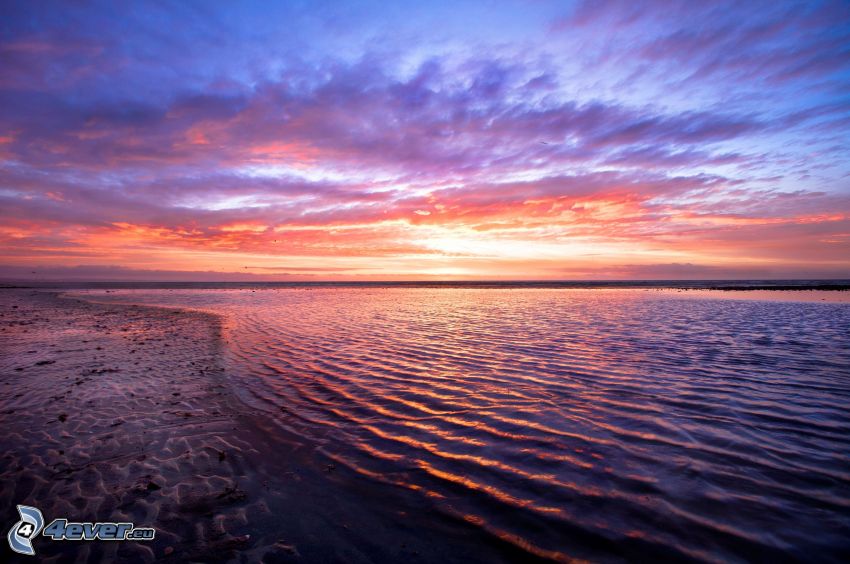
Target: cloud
675,133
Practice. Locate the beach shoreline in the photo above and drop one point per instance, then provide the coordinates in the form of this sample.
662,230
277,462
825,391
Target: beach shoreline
124,413
111,407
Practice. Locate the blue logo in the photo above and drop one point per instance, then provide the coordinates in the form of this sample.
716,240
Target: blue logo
21,534
24,531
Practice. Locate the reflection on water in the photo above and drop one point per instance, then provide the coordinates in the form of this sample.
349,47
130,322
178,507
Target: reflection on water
572,423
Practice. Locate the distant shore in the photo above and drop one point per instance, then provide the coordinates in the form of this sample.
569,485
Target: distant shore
838,285
784,288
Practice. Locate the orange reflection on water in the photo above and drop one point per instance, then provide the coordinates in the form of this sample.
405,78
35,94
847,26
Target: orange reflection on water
562,421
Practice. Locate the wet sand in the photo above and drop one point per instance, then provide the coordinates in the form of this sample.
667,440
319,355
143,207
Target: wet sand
124,413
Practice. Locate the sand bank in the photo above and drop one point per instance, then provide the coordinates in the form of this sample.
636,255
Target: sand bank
839,296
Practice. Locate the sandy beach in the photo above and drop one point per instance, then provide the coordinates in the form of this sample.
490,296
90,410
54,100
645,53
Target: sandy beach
123,413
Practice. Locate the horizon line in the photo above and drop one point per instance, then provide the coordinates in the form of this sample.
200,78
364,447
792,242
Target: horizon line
429,281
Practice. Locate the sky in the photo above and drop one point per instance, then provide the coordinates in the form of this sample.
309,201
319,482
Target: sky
424,140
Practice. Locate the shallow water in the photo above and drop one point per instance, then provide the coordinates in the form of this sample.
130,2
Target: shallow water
594,424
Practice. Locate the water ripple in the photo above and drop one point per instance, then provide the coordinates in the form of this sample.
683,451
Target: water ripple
575,424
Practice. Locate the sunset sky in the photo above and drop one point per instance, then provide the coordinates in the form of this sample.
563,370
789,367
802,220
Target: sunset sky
422,140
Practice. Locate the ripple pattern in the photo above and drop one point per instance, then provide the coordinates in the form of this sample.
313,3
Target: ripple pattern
575,424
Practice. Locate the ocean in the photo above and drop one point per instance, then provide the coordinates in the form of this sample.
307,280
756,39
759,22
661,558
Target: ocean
573,423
